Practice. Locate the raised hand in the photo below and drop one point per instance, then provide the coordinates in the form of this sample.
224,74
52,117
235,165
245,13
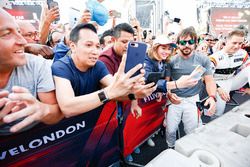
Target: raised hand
52,14
123,82
32,110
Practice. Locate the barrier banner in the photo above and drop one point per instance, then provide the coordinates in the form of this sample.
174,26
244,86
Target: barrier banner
90,139
136,131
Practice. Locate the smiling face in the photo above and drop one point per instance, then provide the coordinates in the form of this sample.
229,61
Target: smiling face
163,52
86,51
233,44
11,41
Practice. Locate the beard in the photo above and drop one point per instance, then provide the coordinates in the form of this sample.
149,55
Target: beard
186,51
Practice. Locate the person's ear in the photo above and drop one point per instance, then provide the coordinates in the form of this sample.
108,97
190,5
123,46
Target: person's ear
72,46
113,39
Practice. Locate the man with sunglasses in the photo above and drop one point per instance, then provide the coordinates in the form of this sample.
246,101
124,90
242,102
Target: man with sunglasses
184,63
210,41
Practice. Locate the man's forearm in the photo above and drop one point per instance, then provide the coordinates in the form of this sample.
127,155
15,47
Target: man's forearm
44,32
211,87
54,115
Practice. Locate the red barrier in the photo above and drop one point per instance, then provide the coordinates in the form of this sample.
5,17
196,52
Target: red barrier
87,139
136,131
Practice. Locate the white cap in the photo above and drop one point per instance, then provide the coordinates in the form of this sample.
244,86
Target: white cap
163,40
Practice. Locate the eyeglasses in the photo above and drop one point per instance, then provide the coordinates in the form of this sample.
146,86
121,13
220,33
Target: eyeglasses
209,40
31,35
190,42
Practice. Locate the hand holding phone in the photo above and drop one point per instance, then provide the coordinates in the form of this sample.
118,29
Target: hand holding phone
115,13
154,77
52,4
135,55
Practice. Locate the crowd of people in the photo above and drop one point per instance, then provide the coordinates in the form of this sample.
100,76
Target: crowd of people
58,72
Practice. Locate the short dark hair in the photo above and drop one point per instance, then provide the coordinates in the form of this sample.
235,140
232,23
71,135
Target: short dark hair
122,27
50,41
190,31
74,34
104,34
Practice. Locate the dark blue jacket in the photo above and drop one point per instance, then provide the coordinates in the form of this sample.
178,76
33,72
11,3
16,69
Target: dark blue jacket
152,66
60,50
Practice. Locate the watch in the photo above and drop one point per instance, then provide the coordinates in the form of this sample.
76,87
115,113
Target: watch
102,96
131,96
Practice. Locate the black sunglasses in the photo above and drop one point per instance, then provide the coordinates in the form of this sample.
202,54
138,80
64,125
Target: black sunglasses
190,42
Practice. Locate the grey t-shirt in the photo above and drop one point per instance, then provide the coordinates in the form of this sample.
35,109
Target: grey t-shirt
179,66
36,76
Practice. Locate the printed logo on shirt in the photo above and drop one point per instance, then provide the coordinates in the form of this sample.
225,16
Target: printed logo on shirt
238,60
221,58
176,66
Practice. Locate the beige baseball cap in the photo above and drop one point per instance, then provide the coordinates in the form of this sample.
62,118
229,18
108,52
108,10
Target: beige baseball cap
163,40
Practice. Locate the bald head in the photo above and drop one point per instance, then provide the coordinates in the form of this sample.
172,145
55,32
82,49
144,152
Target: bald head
6,20
28,31
25,23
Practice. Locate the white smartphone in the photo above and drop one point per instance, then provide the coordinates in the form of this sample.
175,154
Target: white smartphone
198,72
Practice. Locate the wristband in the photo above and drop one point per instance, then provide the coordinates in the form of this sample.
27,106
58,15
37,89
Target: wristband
176,87
131,96
213,97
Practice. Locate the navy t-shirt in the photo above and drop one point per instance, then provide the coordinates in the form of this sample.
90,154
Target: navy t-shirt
81,82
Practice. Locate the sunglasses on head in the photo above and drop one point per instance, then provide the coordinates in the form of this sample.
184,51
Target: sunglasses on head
190,42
